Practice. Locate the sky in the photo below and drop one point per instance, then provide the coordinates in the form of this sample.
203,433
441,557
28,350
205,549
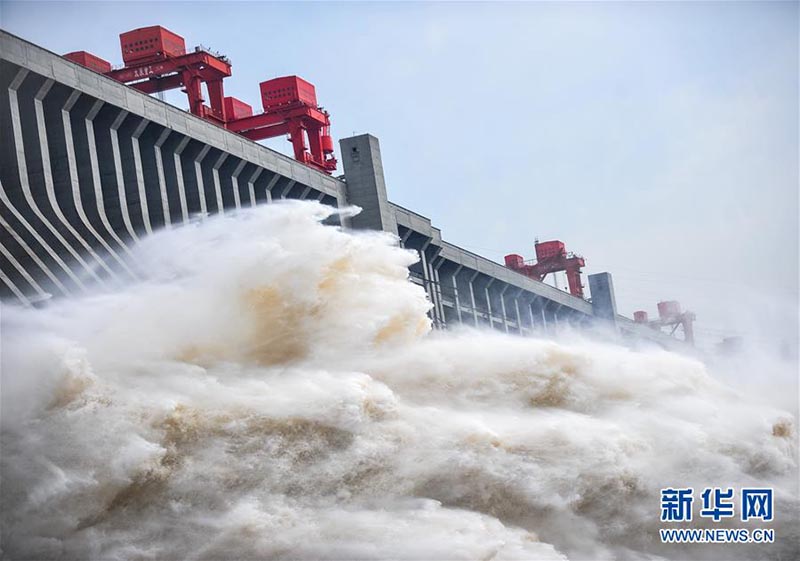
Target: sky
658,140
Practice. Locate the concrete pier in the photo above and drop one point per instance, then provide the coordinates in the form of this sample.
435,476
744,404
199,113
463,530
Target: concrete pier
604,302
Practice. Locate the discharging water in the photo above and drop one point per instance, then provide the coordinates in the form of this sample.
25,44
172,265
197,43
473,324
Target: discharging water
273,391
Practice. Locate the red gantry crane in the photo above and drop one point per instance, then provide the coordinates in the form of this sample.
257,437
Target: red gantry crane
290,107
551,257
155,60
670,316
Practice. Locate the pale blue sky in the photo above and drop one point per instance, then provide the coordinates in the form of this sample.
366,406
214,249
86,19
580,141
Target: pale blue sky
659,140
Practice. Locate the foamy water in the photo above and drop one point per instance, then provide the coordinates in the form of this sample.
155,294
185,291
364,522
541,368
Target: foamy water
273,391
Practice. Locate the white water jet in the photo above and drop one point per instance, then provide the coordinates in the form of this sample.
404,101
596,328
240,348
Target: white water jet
273,391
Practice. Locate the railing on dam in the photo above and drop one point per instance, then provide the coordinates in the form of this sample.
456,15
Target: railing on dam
88,166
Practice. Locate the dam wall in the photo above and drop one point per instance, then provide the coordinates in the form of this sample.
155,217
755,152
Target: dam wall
89,166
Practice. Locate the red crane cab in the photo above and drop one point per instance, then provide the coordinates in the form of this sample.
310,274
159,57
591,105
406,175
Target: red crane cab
150,44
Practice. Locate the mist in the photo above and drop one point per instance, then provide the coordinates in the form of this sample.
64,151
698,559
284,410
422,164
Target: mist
273,390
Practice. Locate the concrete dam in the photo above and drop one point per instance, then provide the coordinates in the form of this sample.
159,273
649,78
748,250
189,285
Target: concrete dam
218,351
90,166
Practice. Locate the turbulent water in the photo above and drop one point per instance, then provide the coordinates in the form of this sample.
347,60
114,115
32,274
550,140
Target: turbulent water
272,390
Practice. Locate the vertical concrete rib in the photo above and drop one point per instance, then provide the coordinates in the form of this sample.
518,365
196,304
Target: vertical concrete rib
137,165
75,184
456,299
235,182
503,306
251,186
31,281
404,238
436,262
13,288
472,297
516,309
425,273
123,198
16,125
179,173
36,259
548,315
270,186
98,186
201,188
215,175
489,301
48,181
427,280
162,183
544,323
285,190
529,305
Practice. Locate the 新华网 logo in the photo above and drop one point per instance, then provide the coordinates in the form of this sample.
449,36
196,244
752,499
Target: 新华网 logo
717,503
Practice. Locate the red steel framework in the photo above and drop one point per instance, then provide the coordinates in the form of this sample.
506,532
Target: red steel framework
290,107
155,60
551,257
670,316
